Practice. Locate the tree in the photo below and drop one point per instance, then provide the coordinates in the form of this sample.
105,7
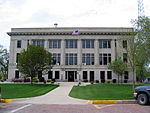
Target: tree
33,60
138,45
142,28
3,63
118,67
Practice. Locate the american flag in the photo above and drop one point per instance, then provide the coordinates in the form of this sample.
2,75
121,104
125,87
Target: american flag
76,32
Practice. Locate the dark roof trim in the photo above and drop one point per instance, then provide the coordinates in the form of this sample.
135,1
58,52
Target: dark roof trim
66,33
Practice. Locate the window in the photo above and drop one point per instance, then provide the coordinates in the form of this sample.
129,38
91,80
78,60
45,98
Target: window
85,75
16,74
50,74
109,58
38,42
27,42
109,44
91,75
104,58
125,58
102,75
87,43
104,44
126,75
71,43
18,43
54,44
88,58
83,43
56,74
124,43
17,55
109,74
100,44
56,58
101,59
71,59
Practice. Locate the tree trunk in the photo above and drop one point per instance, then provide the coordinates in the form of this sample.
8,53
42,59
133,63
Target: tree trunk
121,79
118,79
141,76
31,79
133,85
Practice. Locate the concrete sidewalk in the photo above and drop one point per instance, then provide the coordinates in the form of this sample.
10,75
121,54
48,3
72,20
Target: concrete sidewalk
56,96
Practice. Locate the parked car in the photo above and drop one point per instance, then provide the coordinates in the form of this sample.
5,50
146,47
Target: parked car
142,94
147,80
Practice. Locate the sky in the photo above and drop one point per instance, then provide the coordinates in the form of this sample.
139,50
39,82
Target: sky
67,13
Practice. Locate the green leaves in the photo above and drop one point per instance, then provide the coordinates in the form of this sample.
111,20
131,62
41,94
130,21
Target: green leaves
33,60
3,62
118,66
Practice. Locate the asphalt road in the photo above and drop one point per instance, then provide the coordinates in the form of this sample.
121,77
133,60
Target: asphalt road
89,108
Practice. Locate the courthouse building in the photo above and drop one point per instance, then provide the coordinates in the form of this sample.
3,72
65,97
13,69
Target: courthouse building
83,55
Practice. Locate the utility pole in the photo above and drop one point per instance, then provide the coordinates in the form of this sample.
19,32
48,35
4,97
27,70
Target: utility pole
140,16
140,9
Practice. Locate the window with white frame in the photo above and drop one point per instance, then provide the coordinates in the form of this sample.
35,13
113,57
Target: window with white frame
38,42
54,44
56,58
87,43
104,58
104,44
88,59
71,58
71,43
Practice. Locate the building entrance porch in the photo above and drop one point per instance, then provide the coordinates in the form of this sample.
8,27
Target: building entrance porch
71,76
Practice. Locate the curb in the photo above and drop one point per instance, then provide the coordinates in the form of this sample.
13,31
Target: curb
5,100
112,101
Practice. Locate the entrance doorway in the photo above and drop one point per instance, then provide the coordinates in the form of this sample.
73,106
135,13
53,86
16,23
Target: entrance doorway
70,76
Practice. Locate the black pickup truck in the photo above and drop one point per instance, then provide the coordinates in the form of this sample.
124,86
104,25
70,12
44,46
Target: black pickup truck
142,94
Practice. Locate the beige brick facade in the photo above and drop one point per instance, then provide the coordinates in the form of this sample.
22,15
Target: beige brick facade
93,71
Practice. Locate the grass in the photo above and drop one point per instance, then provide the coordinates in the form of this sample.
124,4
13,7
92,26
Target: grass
25,90
103,92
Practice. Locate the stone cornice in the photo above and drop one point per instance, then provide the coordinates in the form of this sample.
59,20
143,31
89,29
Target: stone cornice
66,33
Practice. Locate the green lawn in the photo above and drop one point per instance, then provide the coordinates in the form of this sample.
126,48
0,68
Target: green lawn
103,92
25,90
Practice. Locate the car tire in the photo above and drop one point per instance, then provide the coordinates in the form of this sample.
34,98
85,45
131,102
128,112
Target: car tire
142,99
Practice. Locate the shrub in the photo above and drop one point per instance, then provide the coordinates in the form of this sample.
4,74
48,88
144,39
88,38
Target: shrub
108,81
34,79
97,81
2,80
26,79
44,82
17,80
103,81
92,82
85,80
52,82
125,81
114,80
41,79
48,80
53,79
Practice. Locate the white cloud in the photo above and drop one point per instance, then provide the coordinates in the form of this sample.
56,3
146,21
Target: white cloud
72,13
